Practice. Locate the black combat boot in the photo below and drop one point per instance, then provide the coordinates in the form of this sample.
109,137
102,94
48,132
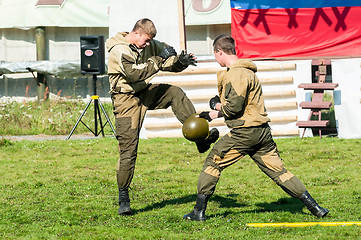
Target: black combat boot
198,213
124,202
204,145
312,205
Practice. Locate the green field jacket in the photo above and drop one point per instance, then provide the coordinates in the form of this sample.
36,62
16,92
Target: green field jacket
241,95
130,69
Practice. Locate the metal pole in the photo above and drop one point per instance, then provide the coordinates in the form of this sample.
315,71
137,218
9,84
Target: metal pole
40,41
97,113
95,105
79,120
107,117
182,27
95,84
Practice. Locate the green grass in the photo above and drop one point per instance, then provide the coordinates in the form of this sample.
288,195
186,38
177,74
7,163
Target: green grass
49,117
67,190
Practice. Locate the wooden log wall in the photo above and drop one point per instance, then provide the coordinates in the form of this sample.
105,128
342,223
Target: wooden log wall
200,85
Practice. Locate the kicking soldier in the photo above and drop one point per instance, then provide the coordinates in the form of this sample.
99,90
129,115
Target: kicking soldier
134,59
241,104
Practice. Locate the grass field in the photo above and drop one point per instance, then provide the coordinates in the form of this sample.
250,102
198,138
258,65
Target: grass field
49,117
67,190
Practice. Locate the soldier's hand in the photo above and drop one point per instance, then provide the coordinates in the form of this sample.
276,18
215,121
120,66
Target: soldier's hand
213,102
205,115
167,52
187,59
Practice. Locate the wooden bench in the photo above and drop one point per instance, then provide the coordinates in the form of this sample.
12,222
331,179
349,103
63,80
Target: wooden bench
313,124
320,86
316,105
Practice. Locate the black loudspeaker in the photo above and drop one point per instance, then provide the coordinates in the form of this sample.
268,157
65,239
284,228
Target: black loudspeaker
92,54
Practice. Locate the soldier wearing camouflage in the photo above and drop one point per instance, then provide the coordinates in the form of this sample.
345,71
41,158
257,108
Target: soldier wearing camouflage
134,59
242,105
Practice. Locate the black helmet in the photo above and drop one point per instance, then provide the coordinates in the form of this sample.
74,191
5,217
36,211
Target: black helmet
195,128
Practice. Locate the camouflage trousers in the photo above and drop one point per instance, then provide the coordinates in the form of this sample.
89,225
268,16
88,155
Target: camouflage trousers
129,111
257,142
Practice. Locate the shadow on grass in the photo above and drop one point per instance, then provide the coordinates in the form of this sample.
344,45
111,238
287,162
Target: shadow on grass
225,202
291,205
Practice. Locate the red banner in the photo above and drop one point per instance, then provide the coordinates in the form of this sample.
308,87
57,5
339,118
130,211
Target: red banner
297,32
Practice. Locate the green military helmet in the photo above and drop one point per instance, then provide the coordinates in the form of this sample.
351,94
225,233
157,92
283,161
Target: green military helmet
195,128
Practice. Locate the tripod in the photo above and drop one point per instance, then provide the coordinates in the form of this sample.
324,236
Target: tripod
97,103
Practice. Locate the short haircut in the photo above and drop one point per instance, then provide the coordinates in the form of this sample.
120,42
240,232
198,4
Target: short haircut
146,26
225,43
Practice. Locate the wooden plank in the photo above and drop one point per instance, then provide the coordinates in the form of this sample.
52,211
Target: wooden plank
269,107
283,133
318,86
202,83
204,98
191,71
313,124
274,94
276,80
281,106
181,24
315,105
172,125
279,94
197,83
215,123
275,133
49,2
213,70
161,112
279,67
283,119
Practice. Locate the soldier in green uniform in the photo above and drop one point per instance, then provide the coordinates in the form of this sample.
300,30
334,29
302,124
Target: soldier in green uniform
241,104
134,59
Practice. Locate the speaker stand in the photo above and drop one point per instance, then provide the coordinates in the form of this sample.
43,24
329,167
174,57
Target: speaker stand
97,115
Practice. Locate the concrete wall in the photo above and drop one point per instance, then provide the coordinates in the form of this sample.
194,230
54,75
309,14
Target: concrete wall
18,45
23,87
64,44
347,73
200,38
